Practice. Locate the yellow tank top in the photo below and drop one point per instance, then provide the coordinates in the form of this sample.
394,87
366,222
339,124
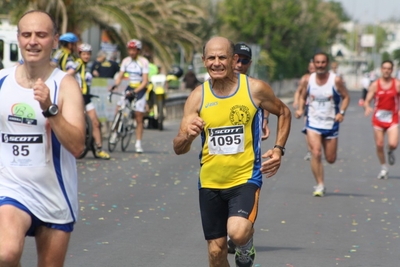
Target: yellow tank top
231,139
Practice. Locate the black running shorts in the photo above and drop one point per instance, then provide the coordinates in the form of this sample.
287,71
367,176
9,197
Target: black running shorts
217,205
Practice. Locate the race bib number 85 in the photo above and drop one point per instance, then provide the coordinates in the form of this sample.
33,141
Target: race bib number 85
226,140
22,150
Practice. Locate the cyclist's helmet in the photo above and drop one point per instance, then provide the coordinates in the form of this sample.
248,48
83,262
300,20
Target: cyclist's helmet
69,37
134,43
85,48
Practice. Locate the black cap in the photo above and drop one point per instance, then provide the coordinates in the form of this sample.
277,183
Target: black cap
243,49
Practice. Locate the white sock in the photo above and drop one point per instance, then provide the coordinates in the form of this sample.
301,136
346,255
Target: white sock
384,167
138,143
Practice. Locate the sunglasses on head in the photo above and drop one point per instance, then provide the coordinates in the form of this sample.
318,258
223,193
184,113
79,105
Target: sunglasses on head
244,61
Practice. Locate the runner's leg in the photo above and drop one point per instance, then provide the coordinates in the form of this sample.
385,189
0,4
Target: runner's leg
52,245
315,143
14,223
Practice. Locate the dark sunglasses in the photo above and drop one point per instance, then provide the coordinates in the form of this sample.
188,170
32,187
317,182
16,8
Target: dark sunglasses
244,61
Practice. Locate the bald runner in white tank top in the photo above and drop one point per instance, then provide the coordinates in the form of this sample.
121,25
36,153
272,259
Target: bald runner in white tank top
35,169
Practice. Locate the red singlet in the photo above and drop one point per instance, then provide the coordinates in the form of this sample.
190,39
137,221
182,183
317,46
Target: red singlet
386,107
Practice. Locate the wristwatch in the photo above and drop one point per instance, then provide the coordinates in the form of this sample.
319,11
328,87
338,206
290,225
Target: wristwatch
51,111
281,148
342,112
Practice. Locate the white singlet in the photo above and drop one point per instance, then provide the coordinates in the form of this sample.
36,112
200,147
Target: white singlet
35,169
323,103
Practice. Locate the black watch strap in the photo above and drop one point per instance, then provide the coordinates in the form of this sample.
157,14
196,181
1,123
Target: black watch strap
52,110
282,149
46,113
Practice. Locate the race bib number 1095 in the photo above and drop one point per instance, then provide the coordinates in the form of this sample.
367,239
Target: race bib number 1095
226,140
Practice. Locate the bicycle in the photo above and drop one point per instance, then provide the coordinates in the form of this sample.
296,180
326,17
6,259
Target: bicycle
89,140
122,127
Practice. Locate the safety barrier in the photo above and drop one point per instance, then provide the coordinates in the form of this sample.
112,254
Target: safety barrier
174,104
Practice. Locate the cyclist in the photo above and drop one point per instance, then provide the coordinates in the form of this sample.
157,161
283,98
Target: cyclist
63,57
84,78
137,69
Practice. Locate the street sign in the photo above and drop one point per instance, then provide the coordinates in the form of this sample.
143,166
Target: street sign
367,40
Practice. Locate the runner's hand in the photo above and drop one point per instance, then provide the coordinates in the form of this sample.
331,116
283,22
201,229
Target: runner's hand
194,128
270,167
41,93
298,113
367,111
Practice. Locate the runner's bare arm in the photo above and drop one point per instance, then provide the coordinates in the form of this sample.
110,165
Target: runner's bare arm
271,103
265,127
267,100
302,99
302,86
69,124
342,90
191,124
397,82
370,95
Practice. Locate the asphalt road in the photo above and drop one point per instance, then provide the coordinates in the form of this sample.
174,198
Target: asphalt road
142,210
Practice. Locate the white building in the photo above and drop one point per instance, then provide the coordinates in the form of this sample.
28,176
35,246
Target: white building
393,36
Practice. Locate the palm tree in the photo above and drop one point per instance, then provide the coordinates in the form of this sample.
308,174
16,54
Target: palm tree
55,7
161,24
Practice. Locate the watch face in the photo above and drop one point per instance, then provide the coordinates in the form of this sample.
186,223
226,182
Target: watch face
53,110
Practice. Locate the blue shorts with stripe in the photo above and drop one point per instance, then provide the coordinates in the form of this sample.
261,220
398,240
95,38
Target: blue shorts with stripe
36,222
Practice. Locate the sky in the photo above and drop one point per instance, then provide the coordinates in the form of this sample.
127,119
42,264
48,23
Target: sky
370,11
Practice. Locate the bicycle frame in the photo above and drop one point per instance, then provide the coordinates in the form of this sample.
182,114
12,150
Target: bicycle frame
121,125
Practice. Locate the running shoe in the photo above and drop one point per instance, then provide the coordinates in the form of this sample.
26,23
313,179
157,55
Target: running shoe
138,149
383,174
319,191
391,158
102,154
231,247
245,258
307,157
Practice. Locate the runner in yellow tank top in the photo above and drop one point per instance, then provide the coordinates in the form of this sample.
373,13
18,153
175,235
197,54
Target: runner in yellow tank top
231,145
226,111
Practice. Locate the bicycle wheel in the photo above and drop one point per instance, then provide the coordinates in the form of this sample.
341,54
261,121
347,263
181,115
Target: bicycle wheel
113,137
89,136
128,129
160,110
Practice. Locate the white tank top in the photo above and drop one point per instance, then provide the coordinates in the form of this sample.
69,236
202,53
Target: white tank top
35,169
323,103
